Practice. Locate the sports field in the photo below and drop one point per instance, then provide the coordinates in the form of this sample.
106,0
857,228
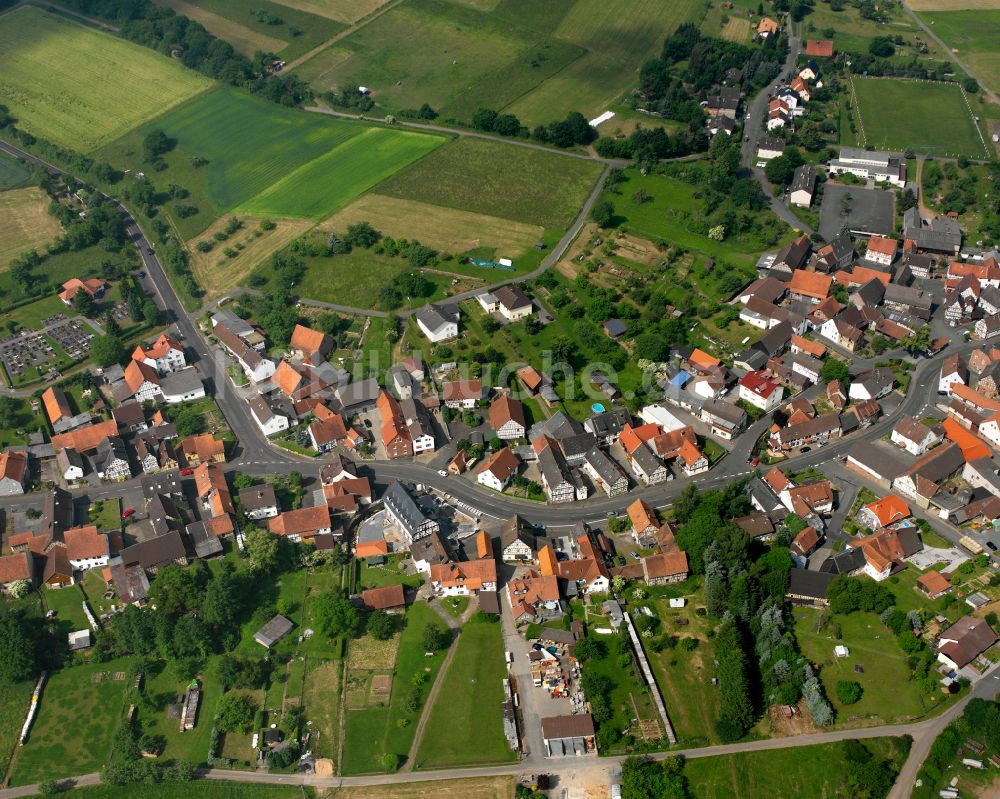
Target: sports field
25,222
228,262
484,177
80,87
973,34
12,172
243,39
444,229
928,118
323,185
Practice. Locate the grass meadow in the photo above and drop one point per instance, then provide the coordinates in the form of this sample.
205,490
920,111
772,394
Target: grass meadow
25,221
974,35
203,789
466,724
294,32
321,186
373,729
928,118
444,229
15,698
347,11
12,172
80,87
889,694
496,179
813,771
478,788
77,718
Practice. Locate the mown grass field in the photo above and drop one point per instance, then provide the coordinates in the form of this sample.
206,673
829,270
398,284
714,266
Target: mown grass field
217,272
80,87
447,229
249,144
321,186
25,222
12,172
495,179
373,730
340,10
466,723
973,34
203,789
15,698
478,788
76,721
243,39
926,117
813,771
297,30
889,694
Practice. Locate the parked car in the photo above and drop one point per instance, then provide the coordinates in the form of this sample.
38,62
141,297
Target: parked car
442,472
755,462
187,471
621,560
991,545
634,554
127,513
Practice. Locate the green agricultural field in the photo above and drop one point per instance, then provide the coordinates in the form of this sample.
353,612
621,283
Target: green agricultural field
12,172
80,87
974,36
320,187
373,730
205,789
813,771
249,144
853,33
466,724
928,118
499,180
889,695
26,222
77,718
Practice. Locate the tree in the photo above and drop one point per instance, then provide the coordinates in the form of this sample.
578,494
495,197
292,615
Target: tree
19,589
380,625
779,170
589,648
155,144
150,313
235,713
834,370
10,412
435,637
176,589
188,422
849,691
261,549
106,350
18,657
484,119
881,47
83,303
603,213
335,614
362,234
918,341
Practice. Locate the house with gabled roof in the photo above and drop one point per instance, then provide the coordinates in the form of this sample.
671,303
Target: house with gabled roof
13,472
143,382
302,524
313,345
506,417
499,469
438,321
165,355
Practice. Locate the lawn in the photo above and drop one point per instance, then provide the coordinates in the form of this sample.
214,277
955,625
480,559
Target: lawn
248,143
322,699
671,208
66,82
974,35
496,179
228,262
204,789
374,730
292,31
618,36
923,116
466,725
106,514
478,788
388,573
444,229
77,718
854,33
12,172
321,186
889,695
814,771
161,687
26,222
340,10
67,603
15,698
684,679
21,423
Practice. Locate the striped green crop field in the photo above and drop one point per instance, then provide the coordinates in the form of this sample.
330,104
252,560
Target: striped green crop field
325,184
80,87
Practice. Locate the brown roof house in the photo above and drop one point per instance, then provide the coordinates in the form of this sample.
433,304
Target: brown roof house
964,641
388,597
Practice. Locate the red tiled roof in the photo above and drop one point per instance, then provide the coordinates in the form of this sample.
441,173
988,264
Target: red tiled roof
819,48
883,245
811,284
388,596
301,521
86,438
56,404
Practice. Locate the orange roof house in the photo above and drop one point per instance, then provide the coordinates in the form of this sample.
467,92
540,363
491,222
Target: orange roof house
302,523
13,466
819,48
972,447
548,564
157,350
767,26
474,575
213,491
702,360
861,275
643,518
137,373
56,404
813,348
810,284
297,382
631,438
86,438
371,549
484,545
204,448
92,286
384,598
882,245
530,378
933,584
310,343
883,512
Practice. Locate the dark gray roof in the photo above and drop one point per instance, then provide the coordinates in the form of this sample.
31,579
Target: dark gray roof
870,211
553,466
272,632
606,468
774,340
909,295
615,327
809,583
183,381
155,552
941,234
258,496
204,543
361,393
558,426
804,179
434,316
577,445
111,449
846,562
403,507
609,423
646,459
